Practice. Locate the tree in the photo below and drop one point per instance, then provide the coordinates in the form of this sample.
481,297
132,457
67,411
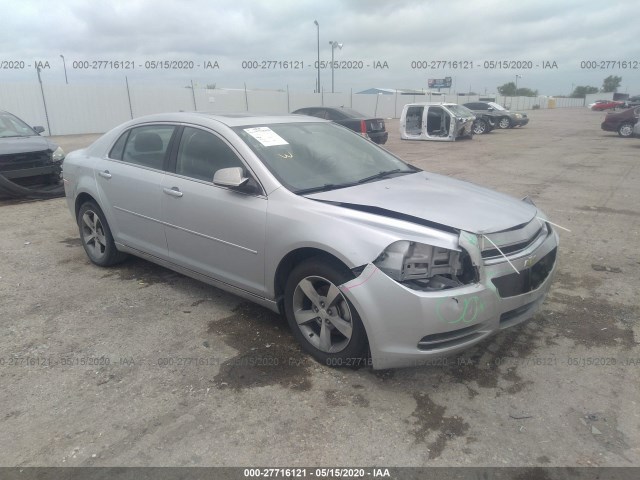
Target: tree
508,89
526,92
611,83
582,91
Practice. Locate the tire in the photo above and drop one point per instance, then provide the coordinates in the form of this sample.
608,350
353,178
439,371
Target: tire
330,330
626,130
504,123
96,237
480,126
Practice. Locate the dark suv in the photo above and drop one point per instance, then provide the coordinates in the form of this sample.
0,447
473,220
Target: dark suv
27,158
373,128
504,118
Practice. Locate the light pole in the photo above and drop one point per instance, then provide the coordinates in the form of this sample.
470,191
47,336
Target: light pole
333,48
318,29
65,69
517,77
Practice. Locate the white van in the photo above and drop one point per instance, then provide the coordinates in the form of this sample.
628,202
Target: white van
442,122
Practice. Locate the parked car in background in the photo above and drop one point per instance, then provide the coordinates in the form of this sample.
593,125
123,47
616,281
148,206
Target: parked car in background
26,158
504,118
600,105
359,250
484,122
621,122
443,122
632,102
372,128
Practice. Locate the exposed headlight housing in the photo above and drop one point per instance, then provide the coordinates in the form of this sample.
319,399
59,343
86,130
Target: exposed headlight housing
57,155
518,115
425,267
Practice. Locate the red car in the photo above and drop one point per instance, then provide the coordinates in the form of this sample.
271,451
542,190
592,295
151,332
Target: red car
605,105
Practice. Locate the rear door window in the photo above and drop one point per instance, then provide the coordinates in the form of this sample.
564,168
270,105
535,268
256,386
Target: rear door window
146,146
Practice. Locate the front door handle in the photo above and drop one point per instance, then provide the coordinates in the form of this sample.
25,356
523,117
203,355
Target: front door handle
105,174
174,192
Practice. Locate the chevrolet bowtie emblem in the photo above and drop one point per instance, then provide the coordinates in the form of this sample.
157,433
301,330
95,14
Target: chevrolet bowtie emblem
286,155
530,261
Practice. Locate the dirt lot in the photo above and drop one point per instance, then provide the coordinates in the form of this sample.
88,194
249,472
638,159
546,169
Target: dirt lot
561,389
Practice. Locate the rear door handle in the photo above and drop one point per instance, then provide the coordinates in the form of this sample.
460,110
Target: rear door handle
105,174
174,192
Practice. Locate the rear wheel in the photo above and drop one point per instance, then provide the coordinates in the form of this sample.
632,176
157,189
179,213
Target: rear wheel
480,126
625,130
321,317
96,237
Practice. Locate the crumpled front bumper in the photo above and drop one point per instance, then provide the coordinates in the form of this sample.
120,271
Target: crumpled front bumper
407,327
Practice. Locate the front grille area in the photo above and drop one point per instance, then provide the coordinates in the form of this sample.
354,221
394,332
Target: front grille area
528,279
19,161
512,242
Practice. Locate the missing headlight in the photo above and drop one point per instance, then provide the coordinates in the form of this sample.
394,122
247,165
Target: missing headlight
426,267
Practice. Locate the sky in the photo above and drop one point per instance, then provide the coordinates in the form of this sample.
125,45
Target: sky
480,44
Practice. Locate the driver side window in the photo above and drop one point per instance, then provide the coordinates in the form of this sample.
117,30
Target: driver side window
201,154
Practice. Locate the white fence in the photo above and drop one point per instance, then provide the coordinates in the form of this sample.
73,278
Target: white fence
78,109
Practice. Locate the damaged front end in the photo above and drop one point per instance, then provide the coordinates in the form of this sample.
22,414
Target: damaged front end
421,301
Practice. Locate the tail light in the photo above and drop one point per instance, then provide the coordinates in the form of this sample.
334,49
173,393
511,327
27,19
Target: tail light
363,128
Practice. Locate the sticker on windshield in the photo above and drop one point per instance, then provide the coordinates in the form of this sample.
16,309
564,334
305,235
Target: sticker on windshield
266,136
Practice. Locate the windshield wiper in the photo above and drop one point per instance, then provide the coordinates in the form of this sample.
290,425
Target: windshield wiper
321,188
383,174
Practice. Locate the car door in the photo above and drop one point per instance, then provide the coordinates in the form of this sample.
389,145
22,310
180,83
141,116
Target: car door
129,182
213,230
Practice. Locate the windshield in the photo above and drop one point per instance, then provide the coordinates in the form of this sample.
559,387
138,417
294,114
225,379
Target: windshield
459,110
307,157
497,106
11,126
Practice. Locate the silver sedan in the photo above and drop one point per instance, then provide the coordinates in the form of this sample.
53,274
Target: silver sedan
367,256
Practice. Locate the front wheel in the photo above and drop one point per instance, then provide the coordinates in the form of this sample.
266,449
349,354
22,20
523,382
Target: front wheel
96,237
505,122
321,317
625,130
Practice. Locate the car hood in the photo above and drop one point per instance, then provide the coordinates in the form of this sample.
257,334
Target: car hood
9,145
437,199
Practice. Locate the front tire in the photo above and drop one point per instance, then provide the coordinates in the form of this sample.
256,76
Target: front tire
96,237
504,123
321,317
625,130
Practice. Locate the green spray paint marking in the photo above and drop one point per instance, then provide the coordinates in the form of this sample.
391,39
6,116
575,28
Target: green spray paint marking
471,308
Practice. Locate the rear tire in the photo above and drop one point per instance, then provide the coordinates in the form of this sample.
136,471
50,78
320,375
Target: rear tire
321,317
480,126
96,237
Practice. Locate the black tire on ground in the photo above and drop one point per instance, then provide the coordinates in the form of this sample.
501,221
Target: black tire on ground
96,236
316,271
626,130
480,126
504,123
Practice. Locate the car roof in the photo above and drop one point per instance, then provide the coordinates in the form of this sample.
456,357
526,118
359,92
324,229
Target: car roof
424,104
238,119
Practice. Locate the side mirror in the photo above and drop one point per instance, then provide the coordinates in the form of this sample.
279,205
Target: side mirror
38,129
230,177
491,109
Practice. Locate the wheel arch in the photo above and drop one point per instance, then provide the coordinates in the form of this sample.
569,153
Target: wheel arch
290,261
81,199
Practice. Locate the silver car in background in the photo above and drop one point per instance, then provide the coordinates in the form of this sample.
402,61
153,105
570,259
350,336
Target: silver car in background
360,251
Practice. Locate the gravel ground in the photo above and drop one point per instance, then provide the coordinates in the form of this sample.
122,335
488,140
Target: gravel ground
83,349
